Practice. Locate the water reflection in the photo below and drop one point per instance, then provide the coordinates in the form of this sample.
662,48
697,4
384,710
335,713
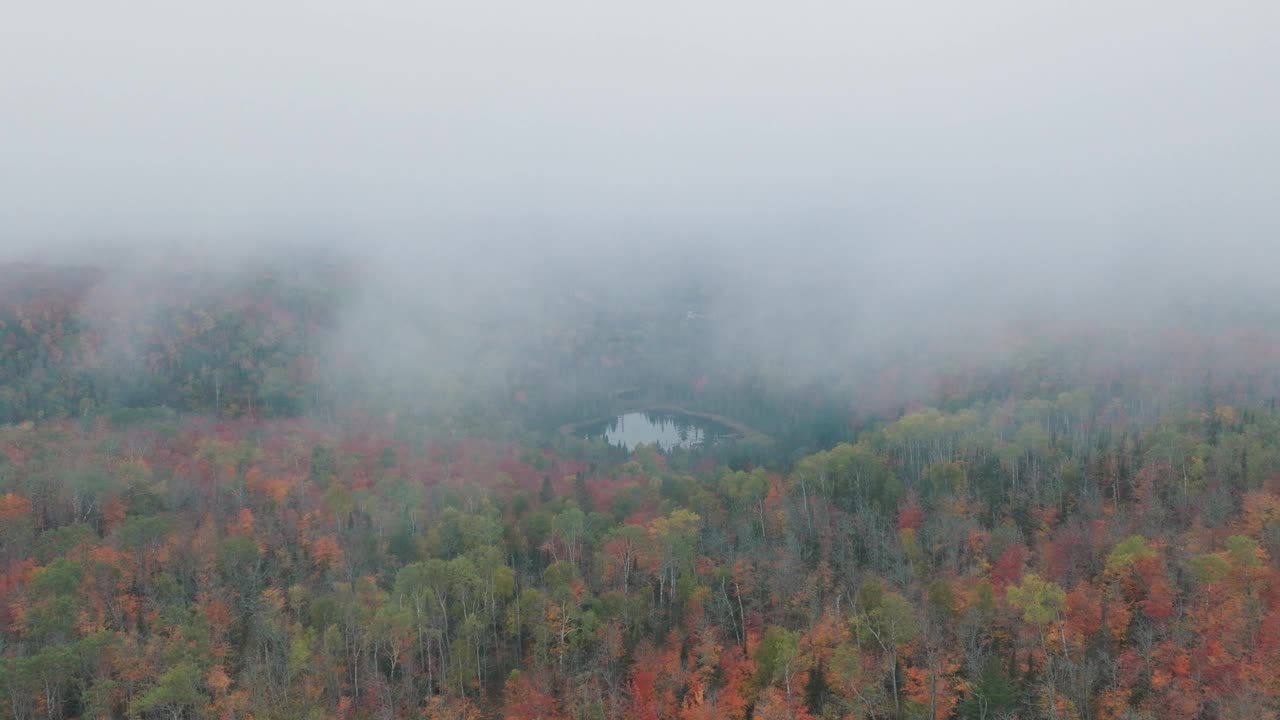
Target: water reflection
666,430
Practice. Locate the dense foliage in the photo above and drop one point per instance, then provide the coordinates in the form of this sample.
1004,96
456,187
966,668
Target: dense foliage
1055,558
1047,541
73,341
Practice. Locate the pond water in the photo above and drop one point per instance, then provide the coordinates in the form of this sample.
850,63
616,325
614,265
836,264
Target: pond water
666,429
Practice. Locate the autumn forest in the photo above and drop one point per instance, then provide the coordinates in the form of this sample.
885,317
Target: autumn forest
206,511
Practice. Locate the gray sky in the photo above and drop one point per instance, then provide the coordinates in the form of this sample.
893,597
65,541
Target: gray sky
865,174
995,124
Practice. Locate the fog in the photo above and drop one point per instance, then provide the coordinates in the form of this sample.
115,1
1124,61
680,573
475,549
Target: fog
834,177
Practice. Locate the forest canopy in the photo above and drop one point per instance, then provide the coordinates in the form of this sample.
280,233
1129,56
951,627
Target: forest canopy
204,514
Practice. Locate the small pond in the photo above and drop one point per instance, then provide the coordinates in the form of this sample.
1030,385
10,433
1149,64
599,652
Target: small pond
666,429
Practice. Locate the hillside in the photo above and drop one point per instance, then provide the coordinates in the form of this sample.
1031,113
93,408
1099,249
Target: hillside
1058,536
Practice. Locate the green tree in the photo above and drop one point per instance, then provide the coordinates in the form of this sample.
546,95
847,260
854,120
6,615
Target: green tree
891,624
993,696
175,692
776,658
1041,603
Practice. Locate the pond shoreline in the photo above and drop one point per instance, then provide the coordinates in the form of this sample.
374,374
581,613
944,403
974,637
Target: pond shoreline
747,433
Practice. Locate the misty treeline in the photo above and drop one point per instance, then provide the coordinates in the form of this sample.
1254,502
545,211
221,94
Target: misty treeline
197,522
79,340
455,347
313,336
